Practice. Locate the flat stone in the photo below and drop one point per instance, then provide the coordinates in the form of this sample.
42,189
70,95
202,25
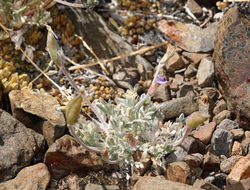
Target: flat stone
91,186
222,142
205,73
220,106
194,160
189,37
232,66
66,155
173,108
178,172
155,183
228,125
203,184
39,112
241,170
19,146
195,58
32,177
227,164
221,116
204,133
237,149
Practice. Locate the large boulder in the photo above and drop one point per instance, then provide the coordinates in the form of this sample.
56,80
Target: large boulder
232,66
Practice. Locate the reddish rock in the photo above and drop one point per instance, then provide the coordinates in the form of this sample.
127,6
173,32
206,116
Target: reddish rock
246,146
220,106
156,183
221,116
189,37
237,149
194,160
232,66
195,58
178,172
39,112
242,185
211,162
66,155
205,132
192,145
175,63
30,178
241,170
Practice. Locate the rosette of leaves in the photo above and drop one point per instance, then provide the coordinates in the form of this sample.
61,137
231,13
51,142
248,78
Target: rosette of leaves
132,124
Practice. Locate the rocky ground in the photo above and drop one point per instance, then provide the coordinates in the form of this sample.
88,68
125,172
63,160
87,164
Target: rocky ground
208,72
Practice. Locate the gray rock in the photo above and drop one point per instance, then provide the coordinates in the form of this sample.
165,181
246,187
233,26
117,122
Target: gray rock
189,37
222,142
190,71
162,93
173,108
178,155
184,90
19,146
220,180
228,125
205,73
227,164
126,77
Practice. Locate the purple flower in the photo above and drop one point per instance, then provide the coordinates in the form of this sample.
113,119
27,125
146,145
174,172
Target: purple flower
161,80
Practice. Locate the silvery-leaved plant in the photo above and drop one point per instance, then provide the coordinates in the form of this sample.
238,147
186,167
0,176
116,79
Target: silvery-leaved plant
127,124
132,125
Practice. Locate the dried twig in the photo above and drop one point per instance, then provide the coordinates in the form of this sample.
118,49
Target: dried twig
138,52
75,5
99,61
